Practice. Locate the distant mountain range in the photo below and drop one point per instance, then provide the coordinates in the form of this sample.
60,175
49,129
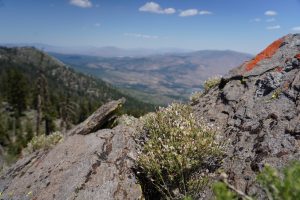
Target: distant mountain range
152,75
108,51
158,78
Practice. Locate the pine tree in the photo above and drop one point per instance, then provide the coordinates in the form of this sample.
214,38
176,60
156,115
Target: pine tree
17,90
67,112
40,87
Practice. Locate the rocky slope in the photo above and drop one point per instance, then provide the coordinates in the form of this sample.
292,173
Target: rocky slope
257,108
90,164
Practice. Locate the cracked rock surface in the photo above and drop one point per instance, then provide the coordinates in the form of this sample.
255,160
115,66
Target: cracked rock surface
258,112
94,166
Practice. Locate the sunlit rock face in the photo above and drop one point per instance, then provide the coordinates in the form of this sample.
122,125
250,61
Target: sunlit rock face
257,108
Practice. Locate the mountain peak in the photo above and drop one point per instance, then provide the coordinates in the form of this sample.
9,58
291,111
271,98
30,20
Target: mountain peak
275,56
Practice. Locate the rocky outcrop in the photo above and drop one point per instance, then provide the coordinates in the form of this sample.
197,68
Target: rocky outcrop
257,107
96,165
104,115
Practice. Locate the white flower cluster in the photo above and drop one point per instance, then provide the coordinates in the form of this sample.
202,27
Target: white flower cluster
212,82
177,142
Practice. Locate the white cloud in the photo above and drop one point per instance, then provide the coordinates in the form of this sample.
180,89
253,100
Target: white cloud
273,27
205,12
297,29
270,13
153,7
81,3
271,20
188,13
193,12
169,10
255,20
139,35
97,24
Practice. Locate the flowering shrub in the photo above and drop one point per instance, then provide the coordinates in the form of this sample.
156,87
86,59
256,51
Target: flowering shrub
43,142
212,82
195,96
178,146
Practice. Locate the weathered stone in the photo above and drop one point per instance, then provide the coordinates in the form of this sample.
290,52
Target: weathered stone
263,118
93,166
102,116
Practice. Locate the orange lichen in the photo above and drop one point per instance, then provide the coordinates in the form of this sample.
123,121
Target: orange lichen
297,56
267,53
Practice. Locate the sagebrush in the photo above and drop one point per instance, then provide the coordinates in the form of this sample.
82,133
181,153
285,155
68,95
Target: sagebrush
43,142
195,96
178,147
212,82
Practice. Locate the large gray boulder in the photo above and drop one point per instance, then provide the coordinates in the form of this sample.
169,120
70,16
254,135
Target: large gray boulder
96,165
257,108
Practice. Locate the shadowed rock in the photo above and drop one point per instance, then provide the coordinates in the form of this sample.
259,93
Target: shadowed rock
99,118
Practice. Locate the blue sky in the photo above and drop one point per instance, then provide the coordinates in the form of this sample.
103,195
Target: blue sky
242,25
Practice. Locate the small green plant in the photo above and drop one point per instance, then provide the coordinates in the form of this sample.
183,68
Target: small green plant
195,96
222,192
243,81
178,146
212,82
225,191
43,142
276,93
278,186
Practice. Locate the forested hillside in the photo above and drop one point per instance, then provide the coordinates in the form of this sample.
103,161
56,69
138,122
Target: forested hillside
39,95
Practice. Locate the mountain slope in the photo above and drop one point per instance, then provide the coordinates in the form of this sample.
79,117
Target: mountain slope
41,95
64,80
256,107
164,78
